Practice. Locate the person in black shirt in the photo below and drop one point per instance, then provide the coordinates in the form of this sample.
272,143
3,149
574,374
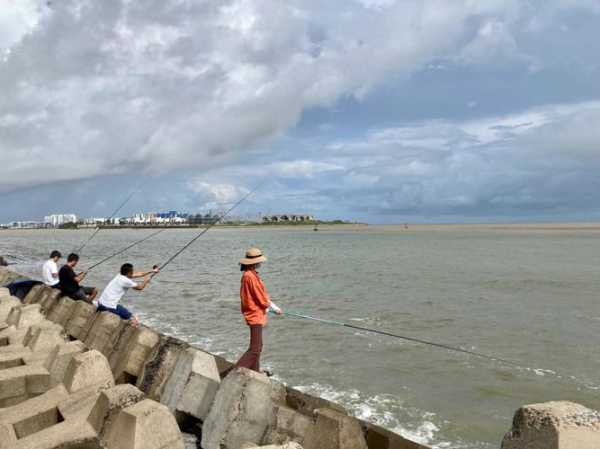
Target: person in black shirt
69,281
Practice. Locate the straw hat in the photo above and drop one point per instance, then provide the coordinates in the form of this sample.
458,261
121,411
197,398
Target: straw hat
253,256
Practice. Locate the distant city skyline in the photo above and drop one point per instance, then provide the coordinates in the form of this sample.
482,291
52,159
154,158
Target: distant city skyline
155,217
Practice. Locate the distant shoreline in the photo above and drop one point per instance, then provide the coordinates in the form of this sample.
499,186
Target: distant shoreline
291,225
364,227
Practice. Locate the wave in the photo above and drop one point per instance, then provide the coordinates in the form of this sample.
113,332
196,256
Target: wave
390,412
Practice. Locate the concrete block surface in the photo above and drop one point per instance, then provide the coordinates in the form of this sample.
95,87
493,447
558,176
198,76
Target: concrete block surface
334,430
21,382
159,366
554,425
44,336
104,332
58,359
243,411
88,369
80,320
289,425
131,352
6,304
145,425
110,402
25,316
34,294
61,312
193,384
49,299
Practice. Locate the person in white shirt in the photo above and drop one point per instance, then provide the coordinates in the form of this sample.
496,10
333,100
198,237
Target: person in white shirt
50,269
114,291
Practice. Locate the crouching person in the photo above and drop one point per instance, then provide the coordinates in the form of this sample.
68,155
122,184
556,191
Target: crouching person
69,282
114,291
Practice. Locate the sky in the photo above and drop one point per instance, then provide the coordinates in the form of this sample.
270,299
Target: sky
381,111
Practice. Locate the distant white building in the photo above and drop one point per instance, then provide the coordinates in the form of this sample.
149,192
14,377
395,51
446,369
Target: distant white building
94,221
57,220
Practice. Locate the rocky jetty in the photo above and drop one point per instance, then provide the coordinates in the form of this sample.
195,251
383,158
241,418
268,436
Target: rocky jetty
72,377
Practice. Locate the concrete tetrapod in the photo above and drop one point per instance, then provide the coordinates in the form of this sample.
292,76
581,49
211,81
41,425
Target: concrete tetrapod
114,418
105,332
24,316
131,352
243,410
6,304
49,298
145,425
88,369
62,311
159,366
80,320
554,425
34,294
193,384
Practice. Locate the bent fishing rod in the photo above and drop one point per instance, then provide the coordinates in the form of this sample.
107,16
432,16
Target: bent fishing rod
210,226
109,218
402,337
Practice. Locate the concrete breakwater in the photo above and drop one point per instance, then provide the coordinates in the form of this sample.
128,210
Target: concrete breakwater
74,378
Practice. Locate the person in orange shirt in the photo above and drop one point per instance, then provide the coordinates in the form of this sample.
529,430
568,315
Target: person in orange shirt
255,304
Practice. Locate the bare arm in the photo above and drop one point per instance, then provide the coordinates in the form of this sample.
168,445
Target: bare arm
142,285
141,274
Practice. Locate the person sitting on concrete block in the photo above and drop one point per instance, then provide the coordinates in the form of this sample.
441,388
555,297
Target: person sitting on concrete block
69,282
114,291
50,270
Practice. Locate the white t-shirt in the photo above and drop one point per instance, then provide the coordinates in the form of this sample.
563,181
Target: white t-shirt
48,270
115,290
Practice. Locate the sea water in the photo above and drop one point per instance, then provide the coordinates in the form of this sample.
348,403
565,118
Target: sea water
527,294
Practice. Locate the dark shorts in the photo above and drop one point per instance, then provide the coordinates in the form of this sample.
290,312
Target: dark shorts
123,312
82,293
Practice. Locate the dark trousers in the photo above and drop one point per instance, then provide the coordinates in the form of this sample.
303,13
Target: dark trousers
251,358
121,311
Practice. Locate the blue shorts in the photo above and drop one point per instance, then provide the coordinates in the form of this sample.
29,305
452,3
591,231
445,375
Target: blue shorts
123,312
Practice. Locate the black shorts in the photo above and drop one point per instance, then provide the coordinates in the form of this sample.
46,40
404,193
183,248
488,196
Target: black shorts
82,293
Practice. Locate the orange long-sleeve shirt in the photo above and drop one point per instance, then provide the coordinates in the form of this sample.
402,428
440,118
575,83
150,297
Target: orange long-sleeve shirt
254,298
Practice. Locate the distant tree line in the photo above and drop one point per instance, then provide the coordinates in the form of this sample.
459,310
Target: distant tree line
199,219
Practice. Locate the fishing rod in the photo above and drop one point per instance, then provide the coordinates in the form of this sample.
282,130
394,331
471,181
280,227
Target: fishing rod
205,230
109,218
403,337
148,237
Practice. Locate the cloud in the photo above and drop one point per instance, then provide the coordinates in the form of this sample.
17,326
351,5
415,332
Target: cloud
302,168
539,162
215,195
17,18
115,87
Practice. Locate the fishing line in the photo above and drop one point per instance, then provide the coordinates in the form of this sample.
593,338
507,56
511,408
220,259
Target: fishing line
148,237
205,230
403,337
109,218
